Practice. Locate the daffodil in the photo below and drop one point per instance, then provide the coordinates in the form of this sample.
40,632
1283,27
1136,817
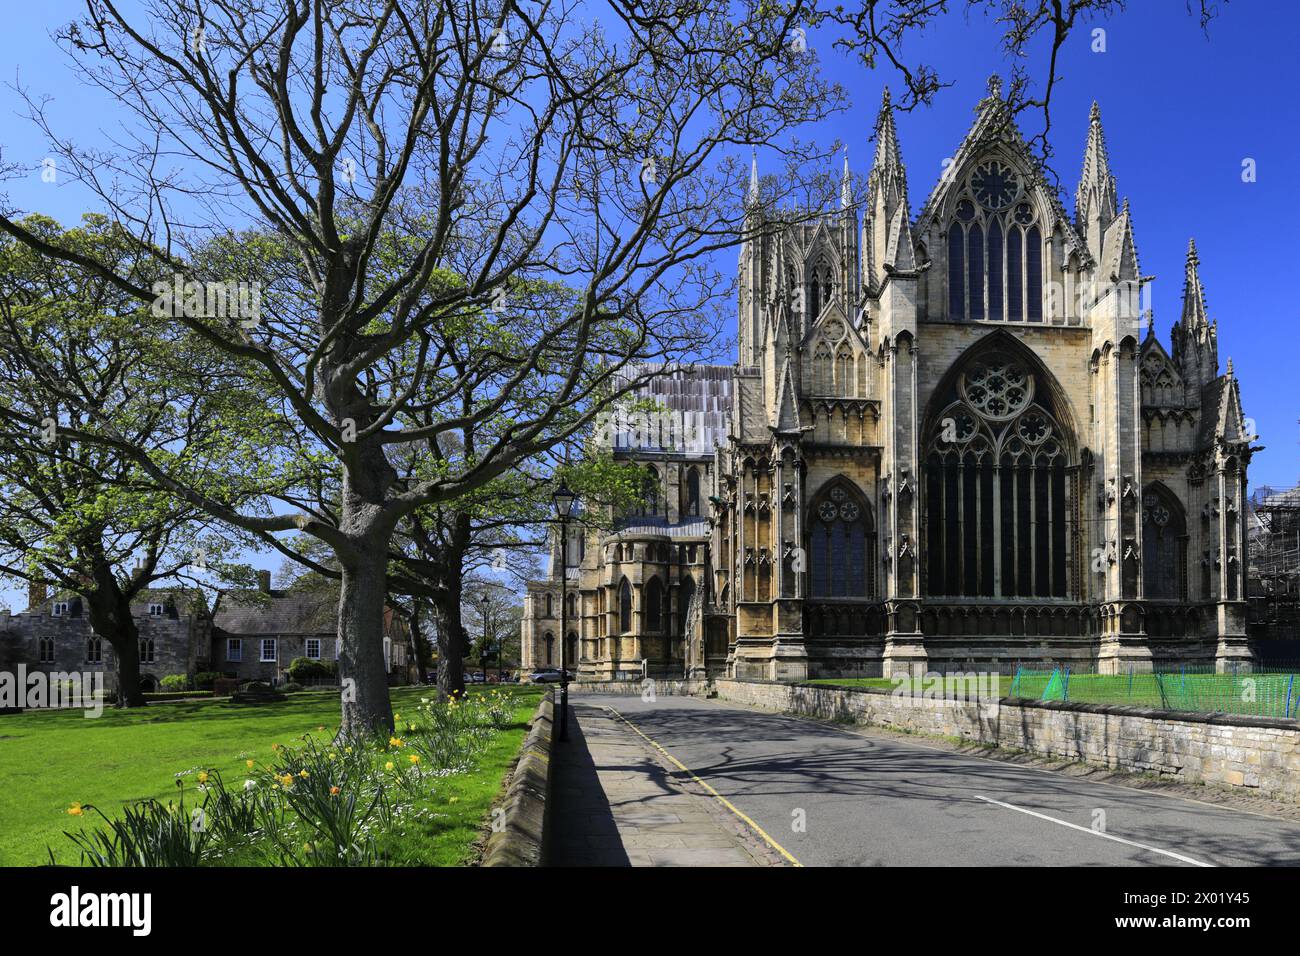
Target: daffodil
75,810
394,741
334,791
414,758
389,765
304,774
203,776
249,764
250,785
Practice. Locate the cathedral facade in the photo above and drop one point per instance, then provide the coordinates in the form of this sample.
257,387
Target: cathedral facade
949,441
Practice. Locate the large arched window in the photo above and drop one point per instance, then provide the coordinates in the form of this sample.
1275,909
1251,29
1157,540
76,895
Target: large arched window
550,649
1164,545
995,249
841,544
654,606
550,605
691,506
625,607
685,595
573,605
652,492
997,486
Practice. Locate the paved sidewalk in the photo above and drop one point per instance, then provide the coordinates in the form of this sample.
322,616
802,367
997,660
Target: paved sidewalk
615,804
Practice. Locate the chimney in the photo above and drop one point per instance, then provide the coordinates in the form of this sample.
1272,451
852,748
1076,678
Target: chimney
264,581
36,594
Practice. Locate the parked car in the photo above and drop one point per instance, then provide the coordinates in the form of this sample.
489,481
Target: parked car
545,675
475,677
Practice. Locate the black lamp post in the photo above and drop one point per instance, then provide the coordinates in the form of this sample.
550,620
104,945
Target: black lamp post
564,499
487,637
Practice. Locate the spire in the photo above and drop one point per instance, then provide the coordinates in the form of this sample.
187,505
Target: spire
846,187
1095,201
887,154
1196,342
886,202
752,198
1194,317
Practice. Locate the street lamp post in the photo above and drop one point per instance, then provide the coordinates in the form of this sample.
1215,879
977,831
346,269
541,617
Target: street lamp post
487,637
563,499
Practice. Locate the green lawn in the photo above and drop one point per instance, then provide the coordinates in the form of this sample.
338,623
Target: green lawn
50,760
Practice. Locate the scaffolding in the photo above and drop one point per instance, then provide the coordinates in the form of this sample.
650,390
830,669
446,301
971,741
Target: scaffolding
1274,569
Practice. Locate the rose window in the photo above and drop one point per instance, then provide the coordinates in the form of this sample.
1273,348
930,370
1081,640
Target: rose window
996,389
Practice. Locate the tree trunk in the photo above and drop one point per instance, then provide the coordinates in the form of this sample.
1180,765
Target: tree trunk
109,613
451,637
364,678
419,648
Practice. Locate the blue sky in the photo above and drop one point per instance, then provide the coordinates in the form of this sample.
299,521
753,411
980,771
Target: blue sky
1181,112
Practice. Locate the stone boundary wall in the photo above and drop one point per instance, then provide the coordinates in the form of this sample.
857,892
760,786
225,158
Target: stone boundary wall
667,688
522,839
1257,753
1260,754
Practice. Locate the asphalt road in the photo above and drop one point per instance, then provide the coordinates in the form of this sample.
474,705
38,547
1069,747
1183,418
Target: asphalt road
831,797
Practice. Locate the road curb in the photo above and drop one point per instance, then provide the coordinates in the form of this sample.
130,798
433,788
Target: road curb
521,839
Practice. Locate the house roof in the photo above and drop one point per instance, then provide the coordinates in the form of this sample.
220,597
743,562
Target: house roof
278,612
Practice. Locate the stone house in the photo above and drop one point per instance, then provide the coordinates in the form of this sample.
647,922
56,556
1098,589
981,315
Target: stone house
257,634
54,636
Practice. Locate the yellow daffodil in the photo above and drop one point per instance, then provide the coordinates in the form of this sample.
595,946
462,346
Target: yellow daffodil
249,764
395,741
334,791
389,765
203,776
414,758
75,810
304,774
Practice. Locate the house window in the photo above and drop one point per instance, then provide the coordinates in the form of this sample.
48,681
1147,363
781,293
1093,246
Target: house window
234,649
313,648
61,609
155,610
45,647
268,650
94,650
146,650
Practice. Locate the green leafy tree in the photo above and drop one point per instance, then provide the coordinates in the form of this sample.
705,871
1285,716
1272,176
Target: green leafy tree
79,514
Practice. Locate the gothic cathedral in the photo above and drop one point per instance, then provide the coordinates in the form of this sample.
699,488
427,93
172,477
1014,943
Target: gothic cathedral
950,441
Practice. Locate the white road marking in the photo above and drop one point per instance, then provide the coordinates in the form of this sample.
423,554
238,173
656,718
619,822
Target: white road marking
1106,836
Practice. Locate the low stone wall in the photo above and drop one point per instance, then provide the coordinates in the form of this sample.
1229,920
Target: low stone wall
521,841
1256,753
876,706
667,688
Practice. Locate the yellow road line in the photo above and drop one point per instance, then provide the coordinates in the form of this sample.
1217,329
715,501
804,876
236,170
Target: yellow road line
719,797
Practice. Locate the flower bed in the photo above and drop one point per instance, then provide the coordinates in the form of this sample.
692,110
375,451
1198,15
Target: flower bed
318,802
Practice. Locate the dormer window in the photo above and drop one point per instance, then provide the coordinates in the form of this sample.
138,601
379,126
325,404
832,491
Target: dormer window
60,608
155,610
